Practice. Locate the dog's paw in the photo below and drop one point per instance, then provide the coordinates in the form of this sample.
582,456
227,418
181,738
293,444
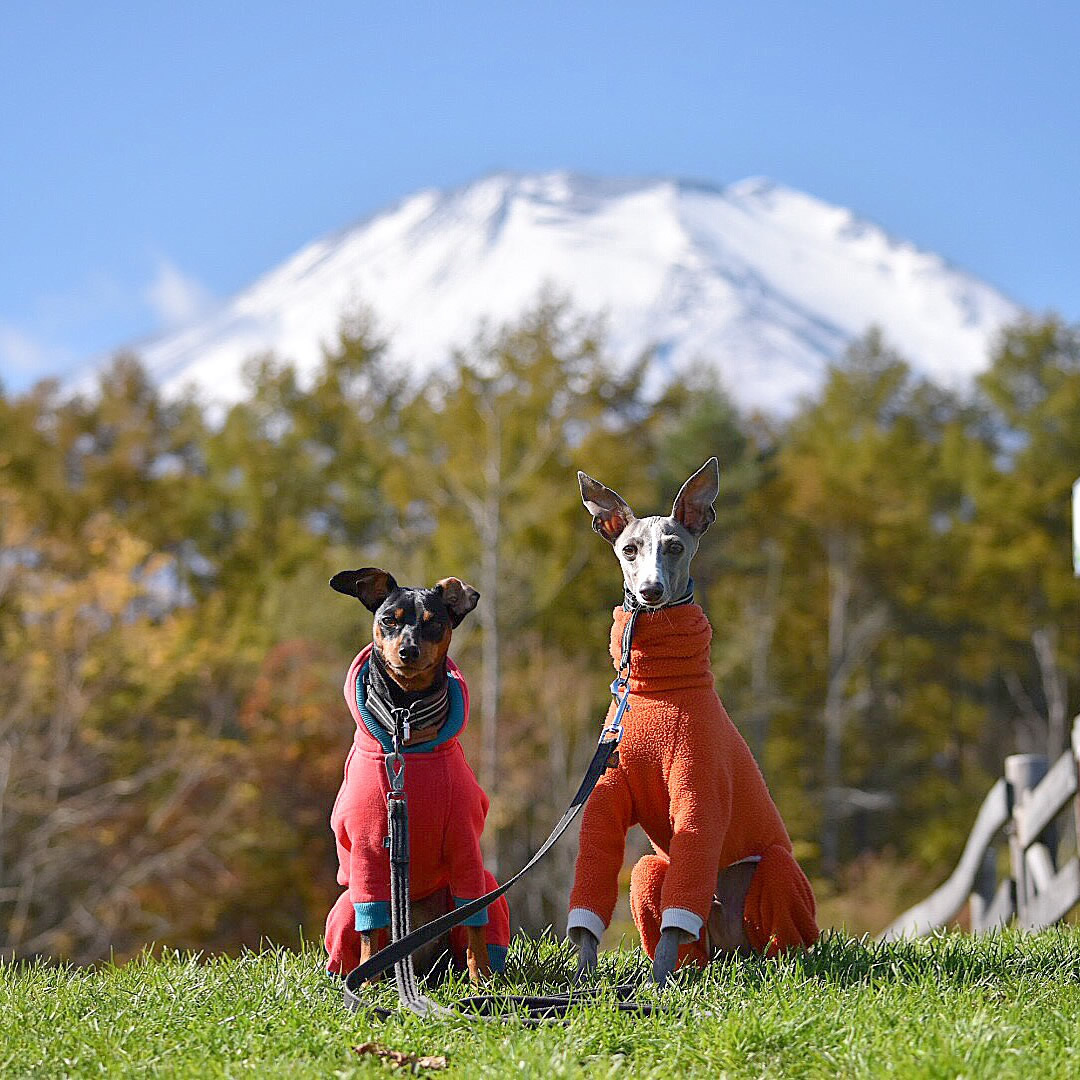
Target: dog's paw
476,955
588,948
667,956
479,969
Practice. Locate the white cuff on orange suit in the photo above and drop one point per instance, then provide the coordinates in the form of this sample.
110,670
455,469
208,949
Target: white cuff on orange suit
583,919
677,918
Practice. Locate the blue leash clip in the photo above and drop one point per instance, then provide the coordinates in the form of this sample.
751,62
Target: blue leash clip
620,691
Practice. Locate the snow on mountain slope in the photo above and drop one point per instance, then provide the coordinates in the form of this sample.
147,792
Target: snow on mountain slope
764,283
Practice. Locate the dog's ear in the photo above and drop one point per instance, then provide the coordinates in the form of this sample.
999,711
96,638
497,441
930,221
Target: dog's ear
610,513
459,598
693,508
371,586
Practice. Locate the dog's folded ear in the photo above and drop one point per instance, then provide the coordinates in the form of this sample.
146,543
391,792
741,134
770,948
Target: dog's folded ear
370,585
458,597
609,509
693,508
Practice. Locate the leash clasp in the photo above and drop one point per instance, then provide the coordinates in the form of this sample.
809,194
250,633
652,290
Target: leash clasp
620,691
402,716
395,771
616,731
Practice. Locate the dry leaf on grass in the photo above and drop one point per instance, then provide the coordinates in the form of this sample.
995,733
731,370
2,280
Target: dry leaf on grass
400,1060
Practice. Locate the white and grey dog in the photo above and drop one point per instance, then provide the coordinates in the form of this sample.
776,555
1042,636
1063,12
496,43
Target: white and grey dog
655,552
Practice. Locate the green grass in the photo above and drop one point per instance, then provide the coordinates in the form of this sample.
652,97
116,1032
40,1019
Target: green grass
1002,1006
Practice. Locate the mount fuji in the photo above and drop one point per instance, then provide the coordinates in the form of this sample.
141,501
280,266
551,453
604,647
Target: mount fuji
762,283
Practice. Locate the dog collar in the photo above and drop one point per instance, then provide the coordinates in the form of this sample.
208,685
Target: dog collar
631,602
422,717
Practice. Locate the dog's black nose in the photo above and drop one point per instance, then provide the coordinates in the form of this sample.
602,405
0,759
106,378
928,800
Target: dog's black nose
651,592
409,653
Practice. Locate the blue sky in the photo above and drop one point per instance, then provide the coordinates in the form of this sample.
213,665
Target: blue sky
154,157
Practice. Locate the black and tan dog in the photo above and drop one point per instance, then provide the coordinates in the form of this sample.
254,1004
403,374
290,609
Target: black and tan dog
407,672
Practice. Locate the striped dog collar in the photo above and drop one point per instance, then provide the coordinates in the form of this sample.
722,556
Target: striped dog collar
422,717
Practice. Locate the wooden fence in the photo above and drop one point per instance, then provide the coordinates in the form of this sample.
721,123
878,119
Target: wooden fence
1020,810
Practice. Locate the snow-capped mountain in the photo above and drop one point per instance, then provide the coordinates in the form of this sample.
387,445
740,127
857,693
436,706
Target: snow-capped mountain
762,282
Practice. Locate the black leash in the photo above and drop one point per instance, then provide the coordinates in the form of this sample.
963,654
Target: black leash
401,949
536,1010
406,941
397,822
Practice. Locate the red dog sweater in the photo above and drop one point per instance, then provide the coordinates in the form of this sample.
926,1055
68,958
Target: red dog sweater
687,777
447,810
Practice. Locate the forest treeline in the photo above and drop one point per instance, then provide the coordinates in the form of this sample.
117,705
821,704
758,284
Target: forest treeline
888,578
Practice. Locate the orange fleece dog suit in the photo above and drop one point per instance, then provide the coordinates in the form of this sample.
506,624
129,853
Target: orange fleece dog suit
687,777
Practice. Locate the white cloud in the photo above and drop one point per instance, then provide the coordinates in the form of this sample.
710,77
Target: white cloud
63,331
24,358
174,297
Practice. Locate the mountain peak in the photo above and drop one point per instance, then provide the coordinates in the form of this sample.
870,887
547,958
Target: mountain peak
761,281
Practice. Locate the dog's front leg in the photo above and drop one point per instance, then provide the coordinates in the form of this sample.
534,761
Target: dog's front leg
371,941
587,947
667,953
609,813
476,953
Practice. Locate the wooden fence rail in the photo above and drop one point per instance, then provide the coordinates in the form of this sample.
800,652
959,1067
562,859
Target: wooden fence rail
1019,809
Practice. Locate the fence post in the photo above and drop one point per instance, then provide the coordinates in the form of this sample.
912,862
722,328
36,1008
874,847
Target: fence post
1076,526
1022,773
982,893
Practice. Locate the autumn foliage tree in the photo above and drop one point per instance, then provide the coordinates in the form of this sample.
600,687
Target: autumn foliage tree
888,579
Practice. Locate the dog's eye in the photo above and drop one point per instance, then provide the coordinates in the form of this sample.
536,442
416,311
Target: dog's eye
388,620
629,551
673,547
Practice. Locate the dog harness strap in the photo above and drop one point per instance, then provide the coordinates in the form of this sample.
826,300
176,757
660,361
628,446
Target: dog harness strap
620,687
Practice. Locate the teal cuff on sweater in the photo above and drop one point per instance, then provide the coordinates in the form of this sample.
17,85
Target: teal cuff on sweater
479,919
372,915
